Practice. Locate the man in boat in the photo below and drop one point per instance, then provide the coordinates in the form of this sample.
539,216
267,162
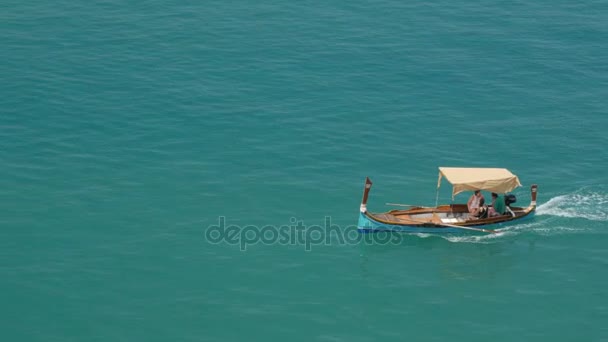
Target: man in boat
473,203
498,205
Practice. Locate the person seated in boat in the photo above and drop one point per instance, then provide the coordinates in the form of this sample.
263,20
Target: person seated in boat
482,212
498,205
473,203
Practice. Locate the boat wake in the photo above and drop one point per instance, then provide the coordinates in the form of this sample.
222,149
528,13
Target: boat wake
542,228
587,205
489,238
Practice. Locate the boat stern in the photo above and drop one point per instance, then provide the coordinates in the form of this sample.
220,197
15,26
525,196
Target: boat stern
533,193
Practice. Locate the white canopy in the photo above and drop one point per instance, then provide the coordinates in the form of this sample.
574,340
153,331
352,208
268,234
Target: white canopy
471,179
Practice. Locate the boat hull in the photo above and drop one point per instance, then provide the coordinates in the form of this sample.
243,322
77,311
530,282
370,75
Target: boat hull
367,224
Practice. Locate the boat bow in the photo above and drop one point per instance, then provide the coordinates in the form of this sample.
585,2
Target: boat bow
366,189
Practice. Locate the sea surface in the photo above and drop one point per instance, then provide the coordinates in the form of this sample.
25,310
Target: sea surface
132,134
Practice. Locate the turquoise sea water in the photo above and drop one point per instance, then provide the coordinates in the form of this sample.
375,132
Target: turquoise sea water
128,129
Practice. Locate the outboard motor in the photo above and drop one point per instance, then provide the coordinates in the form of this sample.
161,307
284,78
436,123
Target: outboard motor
510,199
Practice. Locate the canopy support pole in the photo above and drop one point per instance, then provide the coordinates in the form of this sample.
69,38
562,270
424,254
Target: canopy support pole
438,186
437,198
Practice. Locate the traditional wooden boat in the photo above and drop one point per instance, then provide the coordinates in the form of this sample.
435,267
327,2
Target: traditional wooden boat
450,218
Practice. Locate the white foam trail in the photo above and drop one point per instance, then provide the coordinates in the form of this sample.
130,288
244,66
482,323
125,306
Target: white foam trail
423,235
542,227
484,239
590,206
558,230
